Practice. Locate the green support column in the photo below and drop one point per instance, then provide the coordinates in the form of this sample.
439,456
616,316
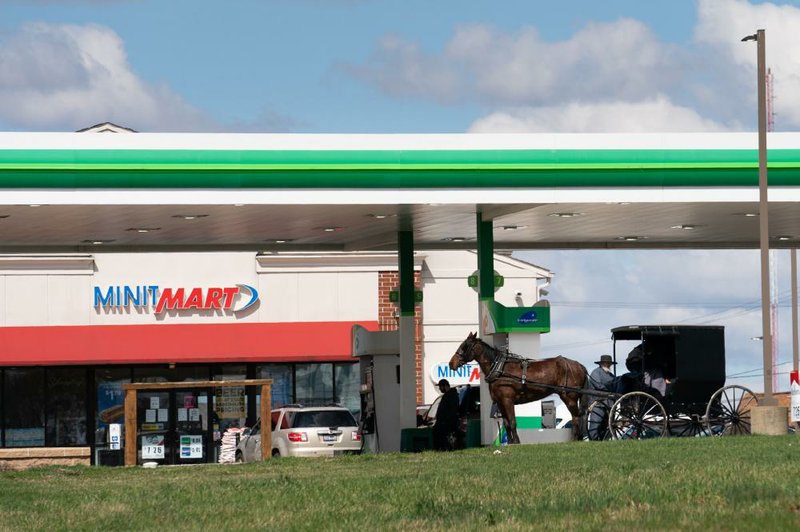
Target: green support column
485,293
485,259
405,241
407,330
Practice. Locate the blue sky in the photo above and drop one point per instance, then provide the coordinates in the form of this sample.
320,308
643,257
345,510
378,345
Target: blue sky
237,60
387,66
383,66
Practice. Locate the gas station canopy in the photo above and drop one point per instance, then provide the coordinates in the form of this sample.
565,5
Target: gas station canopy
72,192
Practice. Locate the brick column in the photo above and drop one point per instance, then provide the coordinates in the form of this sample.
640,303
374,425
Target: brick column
387,318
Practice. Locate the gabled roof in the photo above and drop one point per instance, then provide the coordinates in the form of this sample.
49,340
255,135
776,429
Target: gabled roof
106,127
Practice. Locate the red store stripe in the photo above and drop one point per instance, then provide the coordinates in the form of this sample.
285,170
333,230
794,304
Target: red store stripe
159,343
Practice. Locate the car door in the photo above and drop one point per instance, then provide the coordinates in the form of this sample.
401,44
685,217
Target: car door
252,446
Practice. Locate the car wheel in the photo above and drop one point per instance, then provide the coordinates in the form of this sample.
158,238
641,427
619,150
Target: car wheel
239,457
276,453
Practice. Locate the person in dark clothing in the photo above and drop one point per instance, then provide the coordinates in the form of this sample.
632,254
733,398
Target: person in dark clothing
446,418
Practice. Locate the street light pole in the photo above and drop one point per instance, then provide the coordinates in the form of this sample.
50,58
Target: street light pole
763,211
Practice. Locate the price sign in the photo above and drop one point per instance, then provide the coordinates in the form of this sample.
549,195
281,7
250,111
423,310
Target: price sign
191,446
153,447
795,387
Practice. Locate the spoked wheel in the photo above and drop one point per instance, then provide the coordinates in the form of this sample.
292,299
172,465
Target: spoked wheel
597,420
637,416
728,411
687,425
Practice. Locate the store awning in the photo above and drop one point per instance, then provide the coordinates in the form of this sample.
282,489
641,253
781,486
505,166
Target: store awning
185,343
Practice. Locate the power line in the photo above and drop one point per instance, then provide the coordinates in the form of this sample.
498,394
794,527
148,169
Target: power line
757,369
739,309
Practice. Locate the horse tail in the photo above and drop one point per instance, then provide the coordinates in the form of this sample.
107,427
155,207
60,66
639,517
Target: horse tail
583,403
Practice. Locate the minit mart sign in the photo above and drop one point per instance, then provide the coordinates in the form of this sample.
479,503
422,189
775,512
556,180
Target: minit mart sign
231,298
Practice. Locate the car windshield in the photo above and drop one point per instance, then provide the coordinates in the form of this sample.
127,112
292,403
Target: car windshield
323,418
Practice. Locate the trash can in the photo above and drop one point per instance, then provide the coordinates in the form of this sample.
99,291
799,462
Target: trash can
109,457
416,440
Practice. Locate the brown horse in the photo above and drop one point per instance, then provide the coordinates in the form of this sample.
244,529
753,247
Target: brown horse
513,380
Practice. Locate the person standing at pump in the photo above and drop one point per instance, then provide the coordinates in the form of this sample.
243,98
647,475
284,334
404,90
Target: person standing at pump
446,417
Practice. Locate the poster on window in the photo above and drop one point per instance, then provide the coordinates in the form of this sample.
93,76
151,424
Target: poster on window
191,446
153,447
230,402
110,407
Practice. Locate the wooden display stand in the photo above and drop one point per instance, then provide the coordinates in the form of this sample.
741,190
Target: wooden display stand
131,412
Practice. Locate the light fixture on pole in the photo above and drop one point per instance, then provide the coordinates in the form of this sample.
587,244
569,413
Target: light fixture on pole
763,212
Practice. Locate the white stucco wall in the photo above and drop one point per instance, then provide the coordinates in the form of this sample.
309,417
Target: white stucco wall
47,297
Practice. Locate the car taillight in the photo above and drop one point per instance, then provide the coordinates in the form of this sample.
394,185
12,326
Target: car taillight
356,436
297,436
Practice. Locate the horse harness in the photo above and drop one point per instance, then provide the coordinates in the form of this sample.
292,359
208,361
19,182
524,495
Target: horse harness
499,362
496,371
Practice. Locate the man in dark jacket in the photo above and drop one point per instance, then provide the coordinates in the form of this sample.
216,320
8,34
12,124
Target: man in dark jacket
446,417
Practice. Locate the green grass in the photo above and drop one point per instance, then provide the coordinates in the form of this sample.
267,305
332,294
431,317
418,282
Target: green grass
676,484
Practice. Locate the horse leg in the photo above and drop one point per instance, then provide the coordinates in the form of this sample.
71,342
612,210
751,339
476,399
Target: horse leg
572,401
506,406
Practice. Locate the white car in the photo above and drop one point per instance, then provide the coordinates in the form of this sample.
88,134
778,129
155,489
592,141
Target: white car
304,431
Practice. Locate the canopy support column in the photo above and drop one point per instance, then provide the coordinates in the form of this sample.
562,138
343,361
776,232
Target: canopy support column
763,212
407,331
485,232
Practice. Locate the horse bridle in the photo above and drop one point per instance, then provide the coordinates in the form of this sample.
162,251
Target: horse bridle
498,363
462,353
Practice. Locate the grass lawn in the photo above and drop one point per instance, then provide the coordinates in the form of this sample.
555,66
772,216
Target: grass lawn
743,483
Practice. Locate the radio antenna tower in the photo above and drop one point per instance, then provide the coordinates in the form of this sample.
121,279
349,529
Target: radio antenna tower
770,101
772,259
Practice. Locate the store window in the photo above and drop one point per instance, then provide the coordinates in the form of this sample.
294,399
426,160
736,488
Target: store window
314,383
282,383
230,402
170,374
66,407
23,407
346,383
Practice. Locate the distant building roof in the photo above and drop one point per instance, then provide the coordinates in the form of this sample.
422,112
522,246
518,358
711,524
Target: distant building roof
106,127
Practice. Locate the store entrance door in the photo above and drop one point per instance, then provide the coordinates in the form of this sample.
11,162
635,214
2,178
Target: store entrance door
174,426
169,422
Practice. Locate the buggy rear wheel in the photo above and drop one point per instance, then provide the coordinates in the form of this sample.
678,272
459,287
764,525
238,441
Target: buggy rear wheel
728,411
637,416
597,420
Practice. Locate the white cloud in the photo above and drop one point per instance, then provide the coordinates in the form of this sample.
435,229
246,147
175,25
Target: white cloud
722,24
400,69
606,76
658,114
68,77
621,59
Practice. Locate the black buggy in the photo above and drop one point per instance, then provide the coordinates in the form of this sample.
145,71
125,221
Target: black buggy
674,386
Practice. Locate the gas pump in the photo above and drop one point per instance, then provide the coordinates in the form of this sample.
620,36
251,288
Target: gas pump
379,365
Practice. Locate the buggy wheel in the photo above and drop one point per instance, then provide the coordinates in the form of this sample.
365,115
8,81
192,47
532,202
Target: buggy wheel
728,411
597,420
637,416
